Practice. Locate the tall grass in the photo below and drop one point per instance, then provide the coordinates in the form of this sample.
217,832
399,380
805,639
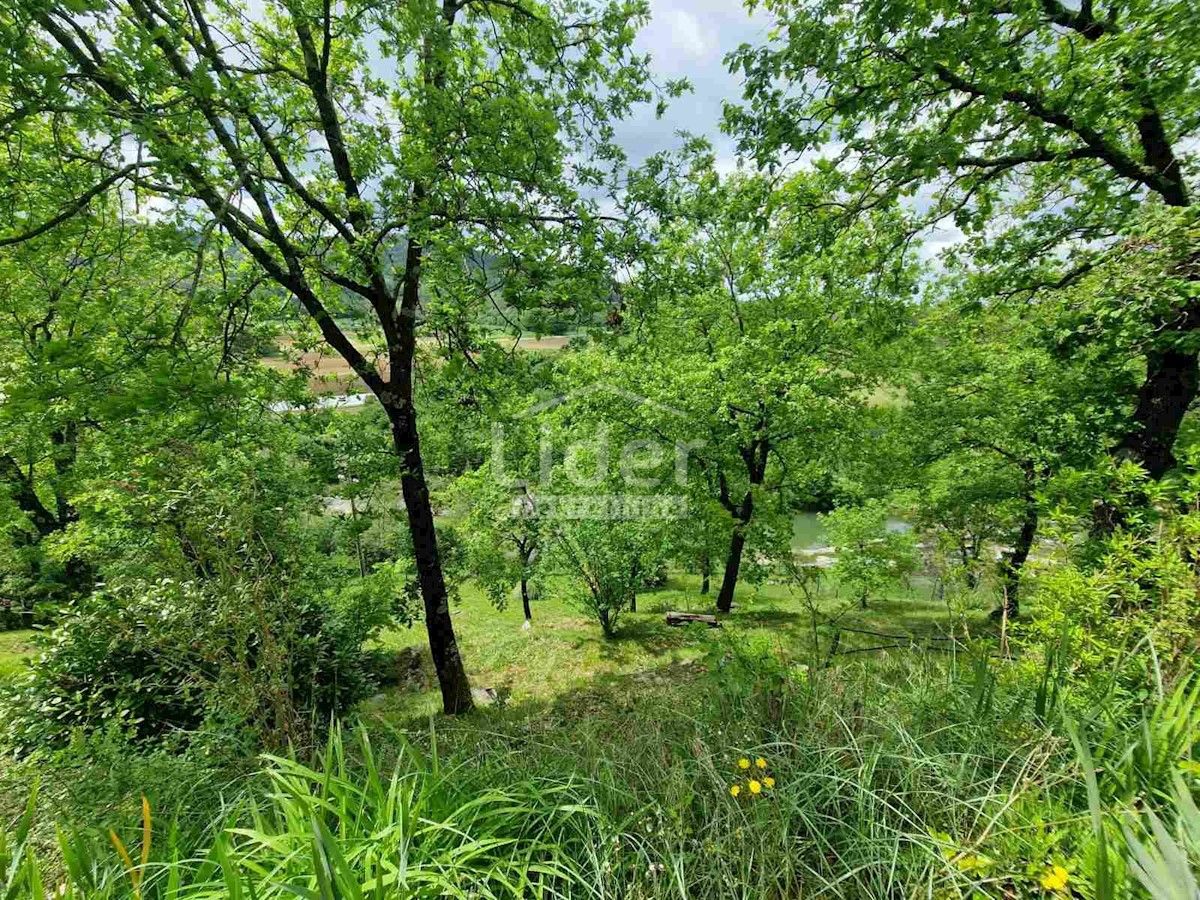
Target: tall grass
339,828
892,780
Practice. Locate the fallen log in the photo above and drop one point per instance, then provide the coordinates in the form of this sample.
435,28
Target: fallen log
682,618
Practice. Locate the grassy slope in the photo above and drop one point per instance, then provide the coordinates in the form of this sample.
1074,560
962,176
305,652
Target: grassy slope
565,652
15,646
636,730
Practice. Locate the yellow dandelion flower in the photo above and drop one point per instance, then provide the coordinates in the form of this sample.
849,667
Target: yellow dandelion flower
735,789
755,787
768,781
743,763
1055,878
761,763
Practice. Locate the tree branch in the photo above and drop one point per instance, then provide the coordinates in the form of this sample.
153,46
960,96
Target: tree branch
74,208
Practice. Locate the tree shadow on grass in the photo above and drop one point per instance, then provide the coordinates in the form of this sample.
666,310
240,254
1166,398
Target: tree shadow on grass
918,620
635,637
767,618
646,651
617,699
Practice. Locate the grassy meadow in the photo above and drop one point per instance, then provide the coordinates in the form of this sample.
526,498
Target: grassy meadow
626,750
563,653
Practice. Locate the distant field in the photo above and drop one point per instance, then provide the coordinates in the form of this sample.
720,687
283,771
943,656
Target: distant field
331,374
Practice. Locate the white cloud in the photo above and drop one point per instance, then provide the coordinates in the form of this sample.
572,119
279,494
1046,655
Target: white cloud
685,35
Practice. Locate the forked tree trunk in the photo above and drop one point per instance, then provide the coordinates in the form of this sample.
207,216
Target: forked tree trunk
80,576
755,457
605,621
705,571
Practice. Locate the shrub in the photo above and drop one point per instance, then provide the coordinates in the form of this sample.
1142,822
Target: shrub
246,630
609,562
1123,609
270,660
870,556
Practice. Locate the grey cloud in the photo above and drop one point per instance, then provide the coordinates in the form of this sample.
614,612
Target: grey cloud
689,39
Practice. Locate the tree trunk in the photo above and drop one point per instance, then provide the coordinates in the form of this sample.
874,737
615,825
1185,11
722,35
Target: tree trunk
968,555
525,599
733,563
452,677
1012,562
81,578
605,621
755,458
358,547
1172,380
705,571
635,570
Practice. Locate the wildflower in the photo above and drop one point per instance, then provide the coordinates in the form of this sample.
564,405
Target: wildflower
761,763
736,789
768,781
973,862
743,763
1055,878
755,787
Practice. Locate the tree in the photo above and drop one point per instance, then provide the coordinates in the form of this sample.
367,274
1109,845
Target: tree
699,539
998,404
609,561
503,535
112,336
355,455
870,556
1039,127
351,191
762,315
968,501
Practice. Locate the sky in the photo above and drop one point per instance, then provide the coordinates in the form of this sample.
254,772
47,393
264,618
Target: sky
690,38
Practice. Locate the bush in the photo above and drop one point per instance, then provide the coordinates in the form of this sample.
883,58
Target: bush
609,562
1122,611
870,556
246,632
271,662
